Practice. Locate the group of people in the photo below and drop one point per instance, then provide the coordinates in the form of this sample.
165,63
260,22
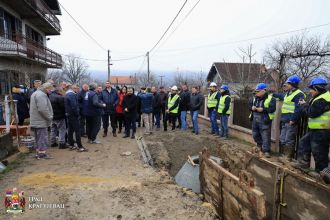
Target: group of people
70,110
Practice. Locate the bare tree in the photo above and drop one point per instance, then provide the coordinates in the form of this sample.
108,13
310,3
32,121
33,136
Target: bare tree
286,57
75,70
56,75
142,80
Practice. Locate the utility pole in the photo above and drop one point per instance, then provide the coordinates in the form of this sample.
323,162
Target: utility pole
109,64
148,67
161,80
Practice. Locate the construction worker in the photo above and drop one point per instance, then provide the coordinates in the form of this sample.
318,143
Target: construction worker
262,110
212,102
172,110
317,139
224,110
291,115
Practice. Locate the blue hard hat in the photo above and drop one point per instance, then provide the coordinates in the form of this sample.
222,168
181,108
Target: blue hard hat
293,79
224,87
261,86
318,81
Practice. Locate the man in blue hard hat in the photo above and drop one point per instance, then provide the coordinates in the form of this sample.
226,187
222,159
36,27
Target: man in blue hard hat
212,102
224,110
262,110
291,115
317,139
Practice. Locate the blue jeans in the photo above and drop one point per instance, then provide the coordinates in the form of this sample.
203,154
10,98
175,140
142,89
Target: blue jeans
157,118
213,119
194,119
183,116
261,132
224,125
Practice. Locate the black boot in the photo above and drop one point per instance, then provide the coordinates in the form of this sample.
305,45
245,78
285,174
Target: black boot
105,132
54,145
133,136
63,146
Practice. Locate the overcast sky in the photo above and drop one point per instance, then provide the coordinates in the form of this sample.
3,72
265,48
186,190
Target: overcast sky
131,27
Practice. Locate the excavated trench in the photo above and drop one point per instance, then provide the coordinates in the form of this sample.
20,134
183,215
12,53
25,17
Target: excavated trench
279,185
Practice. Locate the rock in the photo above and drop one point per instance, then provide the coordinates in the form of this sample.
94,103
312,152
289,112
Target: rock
127,153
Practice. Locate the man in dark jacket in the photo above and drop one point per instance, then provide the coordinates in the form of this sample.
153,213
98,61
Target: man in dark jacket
72,113
146,98
22,104
92,108
156,107
172,110
130,111
58,125
110,97
262,110
184,106
81,97
196,102
163,98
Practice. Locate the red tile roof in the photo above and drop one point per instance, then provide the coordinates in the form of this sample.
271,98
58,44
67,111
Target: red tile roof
122,80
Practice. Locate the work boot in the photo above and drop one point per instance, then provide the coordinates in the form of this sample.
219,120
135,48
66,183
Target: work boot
267,154
105,133
133,136
300,164
54,145
63,146
114,134
119,131
288,152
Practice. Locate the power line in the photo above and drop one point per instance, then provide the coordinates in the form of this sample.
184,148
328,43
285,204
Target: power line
169,26
129,58
186,16
83,29
249,39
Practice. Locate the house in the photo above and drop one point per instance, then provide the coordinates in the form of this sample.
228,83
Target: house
239,76
128,81
24,27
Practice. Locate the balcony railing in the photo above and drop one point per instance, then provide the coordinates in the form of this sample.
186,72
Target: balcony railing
17,45
44,11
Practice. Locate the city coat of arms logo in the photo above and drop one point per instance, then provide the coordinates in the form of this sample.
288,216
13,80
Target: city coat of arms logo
14,201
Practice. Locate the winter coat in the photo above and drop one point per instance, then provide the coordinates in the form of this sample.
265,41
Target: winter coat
111,99
146,102
130,102
163,98
156,103
196,101
22,105
41,111
119,106
58,105
92,106
72,107
184,101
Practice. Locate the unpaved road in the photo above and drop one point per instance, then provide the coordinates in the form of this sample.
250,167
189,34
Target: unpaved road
100,184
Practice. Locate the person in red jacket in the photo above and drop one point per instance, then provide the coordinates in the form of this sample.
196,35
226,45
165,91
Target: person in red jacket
120,119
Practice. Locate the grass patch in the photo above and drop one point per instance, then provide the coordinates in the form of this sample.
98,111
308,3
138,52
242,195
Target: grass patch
14,164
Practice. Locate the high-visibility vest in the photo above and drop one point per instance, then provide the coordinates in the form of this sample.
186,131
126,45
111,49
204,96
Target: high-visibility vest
288,105
211,100
221,106
266,105
323,121
171,102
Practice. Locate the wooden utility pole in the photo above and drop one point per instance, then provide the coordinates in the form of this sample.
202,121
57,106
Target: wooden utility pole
109,64
148,67
161,80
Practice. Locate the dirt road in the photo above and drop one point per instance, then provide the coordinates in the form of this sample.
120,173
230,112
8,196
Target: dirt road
100,184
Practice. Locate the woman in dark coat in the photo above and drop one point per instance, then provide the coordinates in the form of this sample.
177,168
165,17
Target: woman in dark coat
22,104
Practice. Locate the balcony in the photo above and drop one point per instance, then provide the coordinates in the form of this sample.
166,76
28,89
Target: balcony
17,46
38,13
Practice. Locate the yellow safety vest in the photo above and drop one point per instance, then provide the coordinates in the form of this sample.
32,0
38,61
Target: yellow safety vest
266,105
171,102
288,105
222,105
323,121
211,100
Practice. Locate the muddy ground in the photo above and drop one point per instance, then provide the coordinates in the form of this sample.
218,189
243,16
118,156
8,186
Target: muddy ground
101,184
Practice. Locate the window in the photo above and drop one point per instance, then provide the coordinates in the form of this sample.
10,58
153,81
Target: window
33,35
9,25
